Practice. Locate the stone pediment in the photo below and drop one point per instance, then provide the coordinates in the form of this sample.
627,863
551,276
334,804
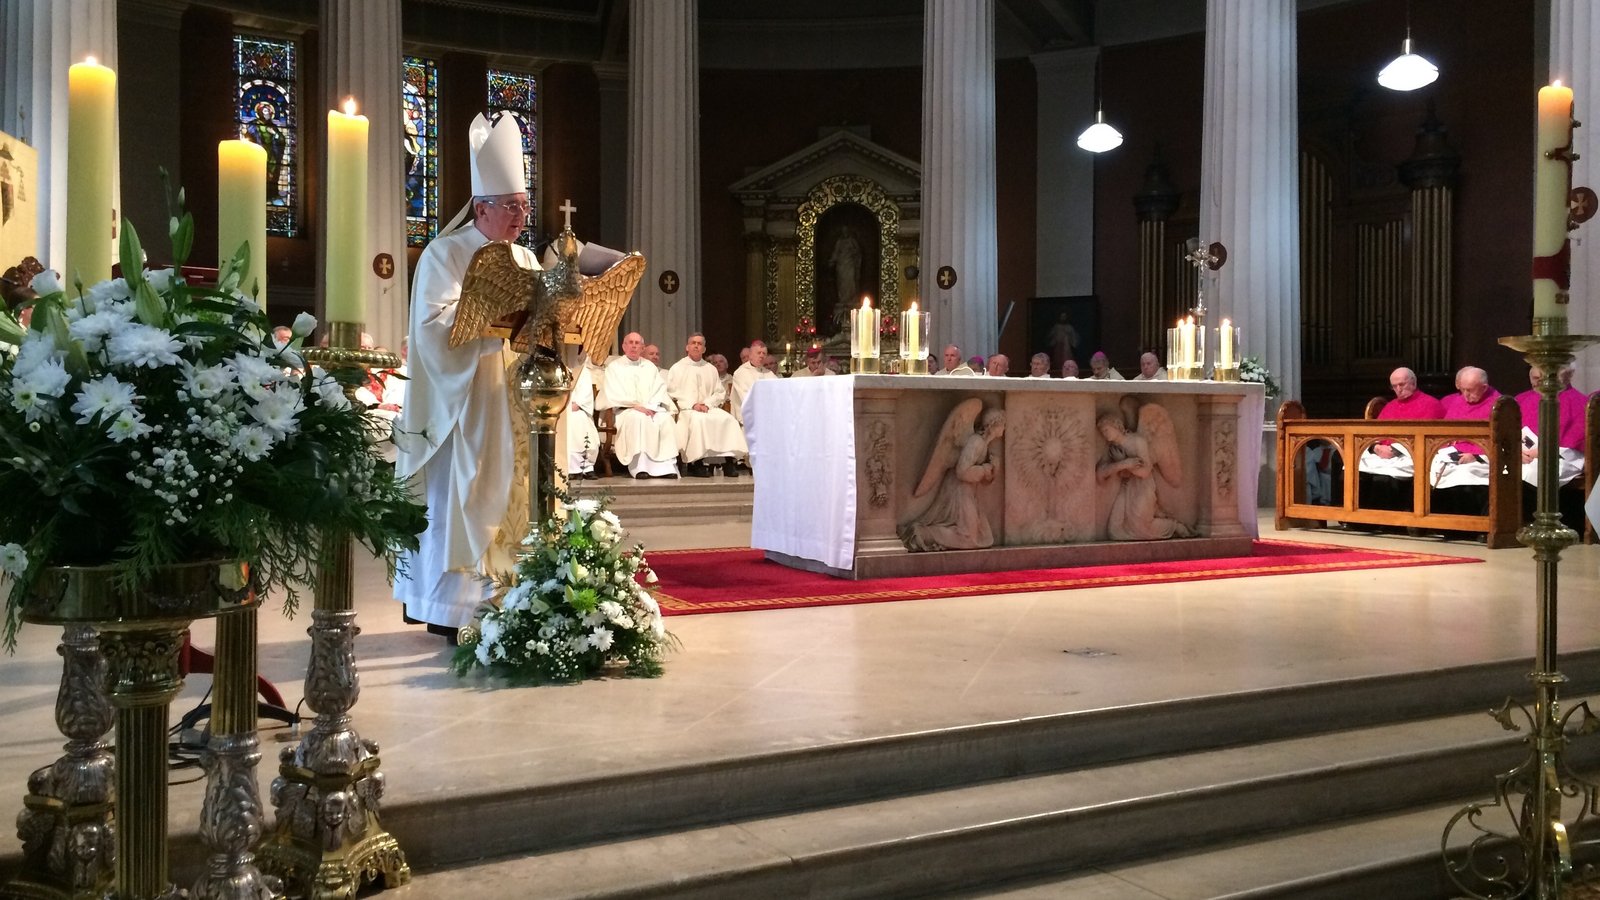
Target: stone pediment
840,153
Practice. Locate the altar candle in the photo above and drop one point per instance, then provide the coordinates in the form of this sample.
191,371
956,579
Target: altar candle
1187,330
242,211
866,326
1552,184
347,216
913,332
1225,352
91,162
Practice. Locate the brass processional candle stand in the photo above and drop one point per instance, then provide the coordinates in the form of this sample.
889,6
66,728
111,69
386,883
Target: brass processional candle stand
328,838
1533,856
544,382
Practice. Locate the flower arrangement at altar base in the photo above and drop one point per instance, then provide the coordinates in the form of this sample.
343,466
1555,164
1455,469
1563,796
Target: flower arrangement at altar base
145,421
1251,369
577,608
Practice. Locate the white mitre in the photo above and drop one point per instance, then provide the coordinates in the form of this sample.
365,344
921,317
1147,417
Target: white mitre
496,162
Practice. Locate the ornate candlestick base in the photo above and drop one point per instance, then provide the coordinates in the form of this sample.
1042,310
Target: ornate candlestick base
543,385
1529,854
327,840
1186,373
66,825
911,366
863,365
1230,374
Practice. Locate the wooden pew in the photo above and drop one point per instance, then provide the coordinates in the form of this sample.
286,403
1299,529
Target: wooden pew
1591,446
1500,436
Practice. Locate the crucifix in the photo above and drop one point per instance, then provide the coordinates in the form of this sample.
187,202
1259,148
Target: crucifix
1204,256
567,207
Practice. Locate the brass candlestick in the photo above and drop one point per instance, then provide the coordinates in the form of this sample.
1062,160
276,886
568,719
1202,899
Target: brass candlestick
1530,855
543,385
327,839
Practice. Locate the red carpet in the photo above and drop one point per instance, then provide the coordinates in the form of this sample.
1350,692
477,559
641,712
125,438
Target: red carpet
738,580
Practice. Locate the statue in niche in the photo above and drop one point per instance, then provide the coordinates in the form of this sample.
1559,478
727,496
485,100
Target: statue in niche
963,462
1140,444
1052,451
845,260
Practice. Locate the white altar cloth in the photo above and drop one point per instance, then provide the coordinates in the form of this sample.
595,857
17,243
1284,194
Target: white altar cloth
803,450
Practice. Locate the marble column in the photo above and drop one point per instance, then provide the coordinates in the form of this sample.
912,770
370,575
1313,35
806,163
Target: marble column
361,55
1250,170
958,174
1574,38
1065,196
664,168
42,39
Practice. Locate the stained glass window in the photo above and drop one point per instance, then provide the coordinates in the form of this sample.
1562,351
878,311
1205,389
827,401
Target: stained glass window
420,99
267,72
517,94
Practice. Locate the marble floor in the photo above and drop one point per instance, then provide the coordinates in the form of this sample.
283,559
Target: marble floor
749,682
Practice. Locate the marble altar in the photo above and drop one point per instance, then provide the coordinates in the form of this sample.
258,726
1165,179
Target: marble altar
870,476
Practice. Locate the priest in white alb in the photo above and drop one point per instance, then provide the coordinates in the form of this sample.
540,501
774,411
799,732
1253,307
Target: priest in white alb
705,430
745,377
647,440
454,433
583,439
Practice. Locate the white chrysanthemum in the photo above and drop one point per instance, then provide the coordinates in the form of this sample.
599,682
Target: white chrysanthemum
303,325
489,630
329,392
207,383
254,373
601,639
541,647
13,560
128,426
658,628
550,586
578,644
252,442
588,506
38,348
105,396
277,408
112,291
482,653
611,609
591,618
610,518
517,598
93,329
160,279
45,282
143,345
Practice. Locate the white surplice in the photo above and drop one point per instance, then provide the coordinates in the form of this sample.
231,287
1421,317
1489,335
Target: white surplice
583,439
454,435
701,434
744,378
644,443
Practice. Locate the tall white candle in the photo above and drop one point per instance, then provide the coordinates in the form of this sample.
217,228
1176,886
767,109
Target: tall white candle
1552,185
347,264
91,162
1225,351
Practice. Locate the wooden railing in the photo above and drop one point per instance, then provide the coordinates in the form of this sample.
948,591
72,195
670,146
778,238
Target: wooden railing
1500,436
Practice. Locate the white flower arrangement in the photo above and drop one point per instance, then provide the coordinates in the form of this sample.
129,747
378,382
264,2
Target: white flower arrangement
144,422
579,606
1251,369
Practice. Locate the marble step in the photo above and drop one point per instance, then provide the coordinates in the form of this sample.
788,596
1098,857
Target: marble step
444,831
966,838
665,501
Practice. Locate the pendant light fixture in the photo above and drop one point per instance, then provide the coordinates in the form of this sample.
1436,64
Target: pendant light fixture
1099,137
1408,71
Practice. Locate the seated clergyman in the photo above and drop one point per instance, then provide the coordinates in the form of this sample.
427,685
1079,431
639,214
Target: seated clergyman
1150,368
1459,472
646,440
1570,445
999,365
816,364
745,377
1039,366
1100,368
1386,468
953,364
705,431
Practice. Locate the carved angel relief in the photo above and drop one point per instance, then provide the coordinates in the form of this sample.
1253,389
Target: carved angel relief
963,462
1141,444
555,301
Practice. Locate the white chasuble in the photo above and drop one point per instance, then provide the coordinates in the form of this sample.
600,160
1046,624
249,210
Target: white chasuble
644,443
583,440
713,432
744,378
455,436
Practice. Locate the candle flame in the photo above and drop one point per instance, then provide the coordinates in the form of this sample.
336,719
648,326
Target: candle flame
1556,83
913,306
349,106
1225,323
866,302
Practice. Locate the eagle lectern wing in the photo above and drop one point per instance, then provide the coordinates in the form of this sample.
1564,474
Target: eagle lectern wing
605,298
494,287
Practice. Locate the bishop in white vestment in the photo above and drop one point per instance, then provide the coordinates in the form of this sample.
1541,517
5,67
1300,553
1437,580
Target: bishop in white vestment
455,432
745,377
705,429
646,441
